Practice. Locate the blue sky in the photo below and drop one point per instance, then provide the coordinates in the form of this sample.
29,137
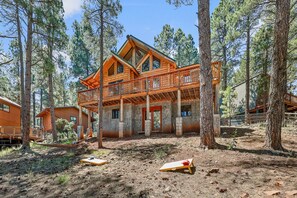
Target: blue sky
144,19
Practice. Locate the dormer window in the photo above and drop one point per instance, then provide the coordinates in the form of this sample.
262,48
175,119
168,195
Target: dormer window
111,70
120,69
146,65
156,63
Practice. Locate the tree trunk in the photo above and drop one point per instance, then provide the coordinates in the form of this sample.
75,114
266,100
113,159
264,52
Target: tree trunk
206,105
27,91
52,106
20,46
265,78
247,74
225,70
279,62
34,109
41,106
100,103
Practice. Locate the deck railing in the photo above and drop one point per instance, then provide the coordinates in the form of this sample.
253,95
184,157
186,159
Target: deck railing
179,78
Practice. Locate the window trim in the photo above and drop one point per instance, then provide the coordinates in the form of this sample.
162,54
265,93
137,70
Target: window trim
3,109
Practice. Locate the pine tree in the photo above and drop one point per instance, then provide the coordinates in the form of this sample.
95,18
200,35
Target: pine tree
164,41
103,16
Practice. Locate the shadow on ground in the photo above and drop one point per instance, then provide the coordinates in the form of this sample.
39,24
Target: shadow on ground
230,132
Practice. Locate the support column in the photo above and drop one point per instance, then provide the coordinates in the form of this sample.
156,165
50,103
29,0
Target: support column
148,122
217,99
80,128
89,130
179,119
216,117
121,123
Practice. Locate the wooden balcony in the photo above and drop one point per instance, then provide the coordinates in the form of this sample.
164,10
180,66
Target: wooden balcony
159,87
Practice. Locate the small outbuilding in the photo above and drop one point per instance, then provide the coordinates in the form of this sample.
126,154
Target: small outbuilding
69,113
10,113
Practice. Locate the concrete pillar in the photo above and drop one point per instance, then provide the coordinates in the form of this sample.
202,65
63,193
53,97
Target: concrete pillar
217,99
217,125
148,122
179,119
121,123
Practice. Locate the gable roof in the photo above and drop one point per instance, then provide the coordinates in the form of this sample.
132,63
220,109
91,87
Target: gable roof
47,110
145,45
9,101
113,55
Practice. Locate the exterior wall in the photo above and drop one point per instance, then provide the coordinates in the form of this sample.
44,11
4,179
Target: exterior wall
64,113
190,123
135,125
111,126
11,118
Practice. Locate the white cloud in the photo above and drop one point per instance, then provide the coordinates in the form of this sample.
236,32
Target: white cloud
72,7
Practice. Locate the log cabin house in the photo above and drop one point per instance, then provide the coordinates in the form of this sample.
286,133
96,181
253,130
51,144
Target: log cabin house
145,91
71,114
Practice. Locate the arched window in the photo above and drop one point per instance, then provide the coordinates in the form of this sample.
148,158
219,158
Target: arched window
111,70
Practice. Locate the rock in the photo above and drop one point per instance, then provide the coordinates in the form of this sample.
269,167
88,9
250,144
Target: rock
167,189
222,190
214,170
213,182
291,193
272,192
165,178
244,195
279,183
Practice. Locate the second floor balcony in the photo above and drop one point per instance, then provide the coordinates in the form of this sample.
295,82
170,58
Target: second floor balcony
183,78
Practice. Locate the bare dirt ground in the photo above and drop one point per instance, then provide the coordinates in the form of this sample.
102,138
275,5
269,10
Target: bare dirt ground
133,170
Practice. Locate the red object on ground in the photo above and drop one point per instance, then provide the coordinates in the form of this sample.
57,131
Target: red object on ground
186,163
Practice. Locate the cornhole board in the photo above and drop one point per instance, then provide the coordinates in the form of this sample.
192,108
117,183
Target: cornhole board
94,161
172,166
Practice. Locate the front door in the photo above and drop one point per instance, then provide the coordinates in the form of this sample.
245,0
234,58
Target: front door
156,118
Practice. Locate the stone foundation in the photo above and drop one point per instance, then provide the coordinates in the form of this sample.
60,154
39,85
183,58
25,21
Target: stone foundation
148,127
121,129
179,126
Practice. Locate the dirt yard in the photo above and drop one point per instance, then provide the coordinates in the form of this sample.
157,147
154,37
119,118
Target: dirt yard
241,168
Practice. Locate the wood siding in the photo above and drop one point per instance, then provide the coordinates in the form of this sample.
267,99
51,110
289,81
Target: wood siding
11,118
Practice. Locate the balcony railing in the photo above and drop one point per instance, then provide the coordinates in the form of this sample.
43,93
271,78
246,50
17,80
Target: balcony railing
180,78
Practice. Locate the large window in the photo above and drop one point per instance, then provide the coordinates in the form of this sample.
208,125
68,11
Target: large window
115,114
111,70
73,119
146,65
186,110
4,107
156,63
120,68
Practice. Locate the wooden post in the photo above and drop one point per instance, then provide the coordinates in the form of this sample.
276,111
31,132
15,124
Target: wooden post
217,99
90,130
178,103
148,122
133,57
80,129
122,110
148,107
